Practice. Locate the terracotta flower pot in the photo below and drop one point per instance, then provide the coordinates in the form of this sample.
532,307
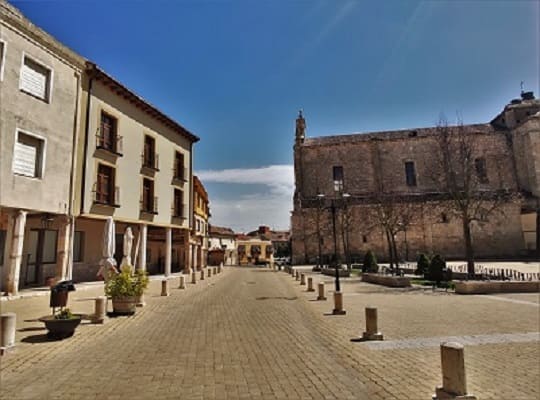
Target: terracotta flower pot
124,305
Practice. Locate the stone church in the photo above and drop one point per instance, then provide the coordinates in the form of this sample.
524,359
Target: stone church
338,180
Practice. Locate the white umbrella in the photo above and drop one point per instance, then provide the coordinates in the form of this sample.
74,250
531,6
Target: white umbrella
128,244
108,263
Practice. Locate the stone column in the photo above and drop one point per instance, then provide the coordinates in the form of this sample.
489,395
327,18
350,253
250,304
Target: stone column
195,252
7,252
15,258
187,253
62,250
168,250
142,249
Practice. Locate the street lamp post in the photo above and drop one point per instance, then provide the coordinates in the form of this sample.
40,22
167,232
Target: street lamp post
333,207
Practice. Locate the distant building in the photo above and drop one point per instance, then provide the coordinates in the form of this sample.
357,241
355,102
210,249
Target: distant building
201,213
254,249
222,246
364,166
280,240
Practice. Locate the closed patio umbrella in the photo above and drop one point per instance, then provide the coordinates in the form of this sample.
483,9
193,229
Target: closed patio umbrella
128,244
108,263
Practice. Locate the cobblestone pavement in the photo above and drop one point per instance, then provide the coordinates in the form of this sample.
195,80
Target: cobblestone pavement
257,334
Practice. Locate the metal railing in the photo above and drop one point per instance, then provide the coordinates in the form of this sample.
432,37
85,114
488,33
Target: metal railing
150,207
150,161
113,143
107,199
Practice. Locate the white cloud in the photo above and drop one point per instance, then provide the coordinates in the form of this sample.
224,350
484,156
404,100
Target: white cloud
252,208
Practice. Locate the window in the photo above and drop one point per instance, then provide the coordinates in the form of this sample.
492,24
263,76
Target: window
107,137
2,58
78,246
28,155
149,202
179,166
106,192
481,171
178,206
444,218
35,79
149,153
338,178
48,255
410,173
2,246
364,238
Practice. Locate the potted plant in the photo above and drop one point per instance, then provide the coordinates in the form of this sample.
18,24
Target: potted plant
62,324
126,290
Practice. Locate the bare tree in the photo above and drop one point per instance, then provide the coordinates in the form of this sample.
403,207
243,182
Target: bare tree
460,174
393,213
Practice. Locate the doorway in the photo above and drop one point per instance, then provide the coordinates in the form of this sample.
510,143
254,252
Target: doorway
41,253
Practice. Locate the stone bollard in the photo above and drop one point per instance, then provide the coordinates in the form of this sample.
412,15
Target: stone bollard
164,287
310,284
338,304
372,329
302,279
100,309
453,372
220,268
209,271
296,275
182,284
215,271
8,323
193,277
321,292
202,274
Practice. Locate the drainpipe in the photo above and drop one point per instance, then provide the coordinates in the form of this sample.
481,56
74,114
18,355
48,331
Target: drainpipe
71,217
86,127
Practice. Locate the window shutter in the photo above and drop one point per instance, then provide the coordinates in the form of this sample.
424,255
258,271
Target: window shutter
34,79
24,159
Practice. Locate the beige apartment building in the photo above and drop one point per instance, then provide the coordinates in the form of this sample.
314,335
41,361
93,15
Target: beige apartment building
136,166
77,147
39,97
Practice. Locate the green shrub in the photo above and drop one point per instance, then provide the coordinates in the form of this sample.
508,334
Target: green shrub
436,269
124,284
370,263
422,265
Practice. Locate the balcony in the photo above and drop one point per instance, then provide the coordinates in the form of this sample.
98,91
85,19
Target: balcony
150,161
110,143
179,176
104,197
179,211
149,205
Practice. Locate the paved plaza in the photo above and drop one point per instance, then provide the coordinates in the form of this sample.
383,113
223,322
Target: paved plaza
253,333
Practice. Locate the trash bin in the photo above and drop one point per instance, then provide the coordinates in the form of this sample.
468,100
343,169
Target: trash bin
59,293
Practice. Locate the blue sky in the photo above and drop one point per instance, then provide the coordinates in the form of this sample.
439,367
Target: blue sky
235,72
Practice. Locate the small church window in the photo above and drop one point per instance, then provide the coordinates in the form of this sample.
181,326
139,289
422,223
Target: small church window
481,171
338,178
410,173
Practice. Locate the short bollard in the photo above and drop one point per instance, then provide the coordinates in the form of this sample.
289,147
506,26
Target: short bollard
202,274
310,284
338,304
453,372
164,287
372,329
302,279
182,284
8,322
220,268
209,272
321,295
214,270
100,309
193,277
297,275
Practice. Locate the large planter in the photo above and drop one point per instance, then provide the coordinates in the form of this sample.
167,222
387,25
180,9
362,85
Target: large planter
386,280
60,328
125,305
